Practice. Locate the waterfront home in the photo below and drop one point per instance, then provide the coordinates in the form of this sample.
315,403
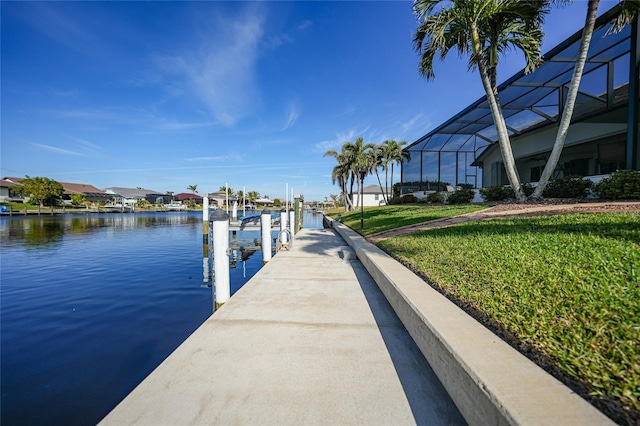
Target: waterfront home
90,192
372,195
130,196
603,136
220,198
184,196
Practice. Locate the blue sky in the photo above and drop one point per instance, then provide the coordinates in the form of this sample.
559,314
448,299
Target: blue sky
163,95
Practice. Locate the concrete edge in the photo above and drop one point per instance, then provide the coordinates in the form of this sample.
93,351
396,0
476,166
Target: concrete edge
489,381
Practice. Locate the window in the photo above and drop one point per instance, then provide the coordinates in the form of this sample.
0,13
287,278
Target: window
536,172
377,197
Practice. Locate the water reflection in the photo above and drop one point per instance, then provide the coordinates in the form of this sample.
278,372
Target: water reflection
49,231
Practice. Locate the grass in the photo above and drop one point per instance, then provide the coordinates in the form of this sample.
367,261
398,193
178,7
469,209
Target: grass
378,219
567,286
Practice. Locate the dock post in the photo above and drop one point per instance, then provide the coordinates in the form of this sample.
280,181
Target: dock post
265,235
283,225
205,239
292,221
220,236
299,208
234,211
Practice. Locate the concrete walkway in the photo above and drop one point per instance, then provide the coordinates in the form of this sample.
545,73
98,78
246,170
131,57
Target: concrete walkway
310,339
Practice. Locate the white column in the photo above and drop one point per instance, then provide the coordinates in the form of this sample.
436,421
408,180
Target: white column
292,221
265,234
220,236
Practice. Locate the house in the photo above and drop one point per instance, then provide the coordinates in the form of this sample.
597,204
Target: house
602,138
90,192
184,196
372,195
130,196
264,202
219,198
7,195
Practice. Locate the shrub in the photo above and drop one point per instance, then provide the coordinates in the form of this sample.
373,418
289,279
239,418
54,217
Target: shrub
621,185
462,196
496,193
405,199
435,198
568,187
527,188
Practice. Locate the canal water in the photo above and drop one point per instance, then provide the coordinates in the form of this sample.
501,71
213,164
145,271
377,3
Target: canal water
91,304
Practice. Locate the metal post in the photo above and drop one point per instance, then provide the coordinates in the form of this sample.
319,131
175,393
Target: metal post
220,235
265,235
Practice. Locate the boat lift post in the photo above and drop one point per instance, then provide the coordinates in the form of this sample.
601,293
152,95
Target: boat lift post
265,235
220,236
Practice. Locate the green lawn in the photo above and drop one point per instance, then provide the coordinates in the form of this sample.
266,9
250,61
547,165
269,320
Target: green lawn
567,285
378,219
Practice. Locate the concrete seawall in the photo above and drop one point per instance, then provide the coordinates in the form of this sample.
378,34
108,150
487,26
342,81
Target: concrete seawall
490,382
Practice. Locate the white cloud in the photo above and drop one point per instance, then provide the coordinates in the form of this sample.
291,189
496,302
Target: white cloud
220,158
292,115
220,71
57,149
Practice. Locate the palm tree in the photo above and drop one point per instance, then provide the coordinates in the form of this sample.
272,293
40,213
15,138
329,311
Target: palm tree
193,188
351,158
628,9
341,173
377,160
394,154
358,153
483,29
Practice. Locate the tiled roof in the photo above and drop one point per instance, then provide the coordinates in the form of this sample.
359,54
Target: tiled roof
186,196
132,192
69,187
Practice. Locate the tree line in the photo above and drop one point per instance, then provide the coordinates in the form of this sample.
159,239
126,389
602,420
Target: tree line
368,158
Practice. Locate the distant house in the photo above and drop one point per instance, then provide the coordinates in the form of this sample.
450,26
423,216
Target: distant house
90,192
184,196
371,196
264,202
219,198
7,195
130,196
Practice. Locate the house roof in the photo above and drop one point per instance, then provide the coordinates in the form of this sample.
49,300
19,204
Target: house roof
6,183
530,101
373,189
186,196
132,192
69,187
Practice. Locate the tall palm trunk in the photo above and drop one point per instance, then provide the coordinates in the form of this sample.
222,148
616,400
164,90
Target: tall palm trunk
391,180
501,126
572,95
386,183
383,190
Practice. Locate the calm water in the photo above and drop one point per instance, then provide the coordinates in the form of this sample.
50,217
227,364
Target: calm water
92,304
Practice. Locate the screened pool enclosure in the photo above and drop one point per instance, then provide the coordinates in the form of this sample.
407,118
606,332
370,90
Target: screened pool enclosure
463,151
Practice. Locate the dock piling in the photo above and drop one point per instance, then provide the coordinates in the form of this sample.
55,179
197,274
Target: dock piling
265,235
220,236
